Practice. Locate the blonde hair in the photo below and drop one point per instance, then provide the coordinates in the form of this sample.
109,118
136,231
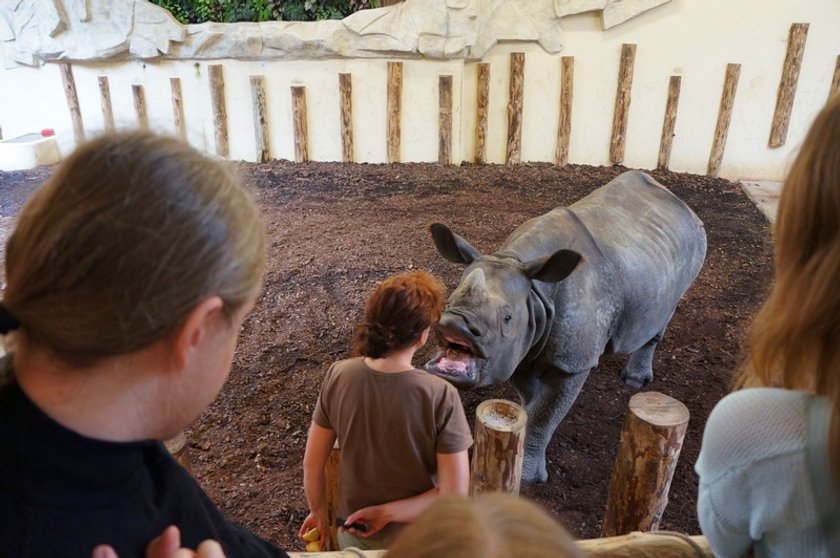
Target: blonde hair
125,238
794,342
491,525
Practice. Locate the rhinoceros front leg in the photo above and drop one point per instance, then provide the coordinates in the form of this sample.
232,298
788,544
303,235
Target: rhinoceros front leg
638,371
546,399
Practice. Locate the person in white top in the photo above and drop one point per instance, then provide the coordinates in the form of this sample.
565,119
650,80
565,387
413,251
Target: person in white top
769,465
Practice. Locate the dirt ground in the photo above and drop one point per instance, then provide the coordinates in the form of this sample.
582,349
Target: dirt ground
336,230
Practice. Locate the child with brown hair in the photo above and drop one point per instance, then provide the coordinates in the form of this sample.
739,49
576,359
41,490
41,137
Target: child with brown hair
402,431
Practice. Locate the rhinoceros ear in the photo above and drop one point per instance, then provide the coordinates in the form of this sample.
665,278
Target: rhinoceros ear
451,246
553,268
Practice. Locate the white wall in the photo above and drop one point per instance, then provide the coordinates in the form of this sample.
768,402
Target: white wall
692,39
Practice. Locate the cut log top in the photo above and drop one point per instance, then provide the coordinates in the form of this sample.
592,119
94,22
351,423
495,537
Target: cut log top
658,409
501,415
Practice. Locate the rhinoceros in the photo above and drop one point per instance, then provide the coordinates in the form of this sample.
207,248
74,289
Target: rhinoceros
602,276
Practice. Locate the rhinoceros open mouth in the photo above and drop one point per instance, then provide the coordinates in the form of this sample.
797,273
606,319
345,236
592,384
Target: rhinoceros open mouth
456,361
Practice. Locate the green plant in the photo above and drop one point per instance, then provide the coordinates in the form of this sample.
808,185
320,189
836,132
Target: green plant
230,11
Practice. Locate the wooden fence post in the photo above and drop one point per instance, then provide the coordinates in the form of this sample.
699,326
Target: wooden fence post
622,102
395,72
105,100
482,104
261,134
835,80
300,119
651,440
499,447
140,107
669,122
178,108
72,102
787,84
445,120
345,86
515,101
217,99
564,125
727,101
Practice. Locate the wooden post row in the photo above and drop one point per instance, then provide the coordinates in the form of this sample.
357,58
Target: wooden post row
517,93
105,101
395,71
299,118
178,108
651,440
217,99
499,447
622,102
262,137
140,107
445,120
835,80
72,102
482,104
669,122
345,86
564,125
787,85
727,101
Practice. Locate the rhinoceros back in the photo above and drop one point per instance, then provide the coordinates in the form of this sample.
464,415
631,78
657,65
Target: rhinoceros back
656,244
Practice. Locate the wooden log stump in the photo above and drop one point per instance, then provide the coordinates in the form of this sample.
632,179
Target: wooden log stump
651,440
333,476
835,80
445,120
178,447
499,447
300,123
394,89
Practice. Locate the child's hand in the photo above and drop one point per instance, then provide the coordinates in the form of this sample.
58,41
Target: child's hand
374,517
311,522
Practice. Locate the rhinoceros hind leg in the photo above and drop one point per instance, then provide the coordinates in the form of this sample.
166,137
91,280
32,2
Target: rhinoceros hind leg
638,372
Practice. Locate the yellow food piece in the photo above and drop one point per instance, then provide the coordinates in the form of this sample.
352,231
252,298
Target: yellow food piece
312,535
313,546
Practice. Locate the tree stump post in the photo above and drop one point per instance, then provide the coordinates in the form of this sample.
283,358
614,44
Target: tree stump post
651,440
499,447
177,446
332,473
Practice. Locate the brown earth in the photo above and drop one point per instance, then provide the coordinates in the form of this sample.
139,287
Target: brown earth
336,230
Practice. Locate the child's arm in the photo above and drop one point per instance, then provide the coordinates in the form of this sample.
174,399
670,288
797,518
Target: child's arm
453,472
319,444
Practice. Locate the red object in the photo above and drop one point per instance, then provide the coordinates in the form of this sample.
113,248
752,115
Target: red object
47,132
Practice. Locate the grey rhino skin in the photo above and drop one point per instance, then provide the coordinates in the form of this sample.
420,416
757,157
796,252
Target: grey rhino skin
602,276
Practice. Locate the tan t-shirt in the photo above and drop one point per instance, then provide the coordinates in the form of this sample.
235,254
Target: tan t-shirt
389,427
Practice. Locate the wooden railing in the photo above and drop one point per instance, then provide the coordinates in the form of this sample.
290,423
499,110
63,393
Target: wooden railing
633,545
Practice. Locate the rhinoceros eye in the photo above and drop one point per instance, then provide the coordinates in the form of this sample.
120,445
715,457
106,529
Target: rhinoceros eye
508,317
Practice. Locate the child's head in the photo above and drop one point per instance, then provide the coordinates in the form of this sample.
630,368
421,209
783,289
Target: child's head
397,313
127,236
491,525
